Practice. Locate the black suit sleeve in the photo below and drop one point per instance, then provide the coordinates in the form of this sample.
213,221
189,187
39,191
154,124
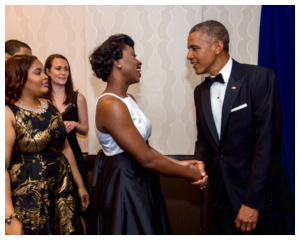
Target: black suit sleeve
200,145
266,108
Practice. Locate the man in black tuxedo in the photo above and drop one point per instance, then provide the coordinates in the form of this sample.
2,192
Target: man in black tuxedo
239,123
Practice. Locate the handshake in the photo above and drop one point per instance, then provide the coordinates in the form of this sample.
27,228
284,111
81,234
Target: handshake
201,183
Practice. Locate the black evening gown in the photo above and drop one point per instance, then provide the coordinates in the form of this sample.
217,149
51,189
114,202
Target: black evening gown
130,200
41,178
71,114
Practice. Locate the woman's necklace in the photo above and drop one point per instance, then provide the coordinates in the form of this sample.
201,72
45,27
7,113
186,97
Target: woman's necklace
42,108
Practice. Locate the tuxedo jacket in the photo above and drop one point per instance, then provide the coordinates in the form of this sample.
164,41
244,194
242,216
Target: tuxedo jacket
246,159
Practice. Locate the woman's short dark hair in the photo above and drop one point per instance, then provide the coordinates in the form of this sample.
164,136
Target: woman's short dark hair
69,87
16,74
103,57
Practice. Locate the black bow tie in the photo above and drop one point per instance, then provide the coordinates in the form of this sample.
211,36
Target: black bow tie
209,80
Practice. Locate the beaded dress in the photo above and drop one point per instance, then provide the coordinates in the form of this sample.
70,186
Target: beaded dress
41,179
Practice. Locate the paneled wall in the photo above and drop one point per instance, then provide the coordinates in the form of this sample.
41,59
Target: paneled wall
165,93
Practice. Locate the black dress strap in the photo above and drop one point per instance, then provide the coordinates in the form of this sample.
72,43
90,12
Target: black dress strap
75,98
13,108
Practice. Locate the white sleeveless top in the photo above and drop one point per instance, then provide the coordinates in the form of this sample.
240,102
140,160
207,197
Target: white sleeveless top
142,123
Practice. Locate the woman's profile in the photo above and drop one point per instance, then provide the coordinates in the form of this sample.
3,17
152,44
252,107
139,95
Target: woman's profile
130,200
39,164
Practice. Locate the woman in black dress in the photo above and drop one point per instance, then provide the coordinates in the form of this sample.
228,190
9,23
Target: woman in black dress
39,163
130,200
73,108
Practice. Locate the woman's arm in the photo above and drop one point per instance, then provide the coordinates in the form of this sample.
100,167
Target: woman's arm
166,157
184,163
15,227
67,151
82,126
112,116
200,183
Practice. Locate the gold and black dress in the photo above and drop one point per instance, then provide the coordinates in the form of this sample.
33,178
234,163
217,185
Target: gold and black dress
41,179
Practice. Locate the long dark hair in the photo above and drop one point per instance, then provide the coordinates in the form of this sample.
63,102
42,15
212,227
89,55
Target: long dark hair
69,87
16,74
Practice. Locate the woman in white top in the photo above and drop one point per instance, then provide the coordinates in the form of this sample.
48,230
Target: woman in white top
130,200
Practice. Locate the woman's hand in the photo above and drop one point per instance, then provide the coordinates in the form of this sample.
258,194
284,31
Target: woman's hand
187,163
196,176
70,125
14,228
85,199
203,181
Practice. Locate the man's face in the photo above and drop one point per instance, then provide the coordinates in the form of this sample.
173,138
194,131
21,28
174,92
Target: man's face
201,53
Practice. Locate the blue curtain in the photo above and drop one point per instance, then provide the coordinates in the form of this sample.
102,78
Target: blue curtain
277,52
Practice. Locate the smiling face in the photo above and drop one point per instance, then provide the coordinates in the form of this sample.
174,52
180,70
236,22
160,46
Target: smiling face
130,66
59,71
37,80
201,53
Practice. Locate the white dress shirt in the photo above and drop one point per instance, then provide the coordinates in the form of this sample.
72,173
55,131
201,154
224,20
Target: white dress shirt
217,93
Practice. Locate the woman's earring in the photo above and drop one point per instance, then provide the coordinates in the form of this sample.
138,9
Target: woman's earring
119,66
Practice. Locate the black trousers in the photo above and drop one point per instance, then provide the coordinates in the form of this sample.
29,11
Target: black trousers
223,222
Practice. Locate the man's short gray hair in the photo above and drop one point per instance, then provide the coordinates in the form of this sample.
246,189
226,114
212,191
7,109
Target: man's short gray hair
215,30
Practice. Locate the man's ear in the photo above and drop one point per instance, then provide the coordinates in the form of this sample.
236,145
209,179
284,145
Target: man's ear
219,46
7,56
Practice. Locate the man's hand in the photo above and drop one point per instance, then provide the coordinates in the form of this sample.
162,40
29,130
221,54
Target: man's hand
200,165
202,182
246,218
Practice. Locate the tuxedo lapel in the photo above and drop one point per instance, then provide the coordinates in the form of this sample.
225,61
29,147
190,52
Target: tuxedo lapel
233,87
206,106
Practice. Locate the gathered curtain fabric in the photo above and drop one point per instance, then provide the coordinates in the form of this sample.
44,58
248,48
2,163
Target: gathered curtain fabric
277,52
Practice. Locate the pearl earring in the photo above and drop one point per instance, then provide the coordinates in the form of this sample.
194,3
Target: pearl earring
119,66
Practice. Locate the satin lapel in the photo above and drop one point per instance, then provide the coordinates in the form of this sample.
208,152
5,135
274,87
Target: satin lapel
232,90
206,106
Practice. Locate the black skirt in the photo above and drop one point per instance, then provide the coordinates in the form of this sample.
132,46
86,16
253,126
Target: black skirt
130,199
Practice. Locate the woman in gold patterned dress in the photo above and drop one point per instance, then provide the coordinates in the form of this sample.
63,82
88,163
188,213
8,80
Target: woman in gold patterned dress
39,163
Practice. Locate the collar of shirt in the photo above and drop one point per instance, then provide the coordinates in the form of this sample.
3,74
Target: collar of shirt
226,70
